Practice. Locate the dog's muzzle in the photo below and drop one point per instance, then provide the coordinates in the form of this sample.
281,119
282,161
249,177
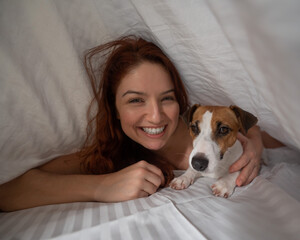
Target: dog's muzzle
199,162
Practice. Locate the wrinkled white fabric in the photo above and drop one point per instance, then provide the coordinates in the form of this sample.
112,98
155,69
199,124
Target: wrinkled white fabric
227,52
268,208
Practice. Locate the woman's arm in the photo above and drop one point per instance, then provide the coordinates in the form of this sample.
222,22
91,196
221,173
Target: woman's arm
60,181
270,142
37,187
66,164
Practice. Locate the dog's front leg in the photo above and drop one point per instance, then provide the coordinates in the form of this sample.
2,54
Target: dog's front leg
184,180
224,187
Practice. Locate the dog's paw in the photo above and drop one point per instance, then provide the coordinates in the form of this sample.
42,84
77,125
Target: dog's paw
222,188
181,182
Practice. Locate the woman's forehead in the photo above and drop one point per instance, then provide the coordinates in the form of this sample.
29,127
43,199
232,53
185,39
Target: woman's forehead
146,77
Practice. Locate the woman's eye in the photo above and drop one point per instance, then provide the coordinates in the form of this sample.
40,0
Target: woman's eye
136,100
168,98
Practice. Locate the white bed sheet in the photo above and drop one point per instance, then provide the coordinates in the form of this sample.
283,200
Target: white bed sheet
268,208
229,52
224,52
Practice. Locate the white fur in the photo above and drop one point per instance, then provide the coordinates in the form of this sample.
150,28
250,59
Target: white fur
217,168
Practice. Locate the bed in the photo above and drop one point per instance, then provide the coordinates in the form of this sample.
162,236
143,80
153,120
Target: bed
227,52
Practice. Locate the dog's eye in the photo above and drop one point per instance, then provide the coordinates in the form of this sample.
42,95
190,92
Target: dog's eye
195,128
223,131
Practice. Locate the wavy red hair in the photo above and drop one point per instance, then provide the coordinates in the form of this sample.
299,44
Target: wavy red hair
107,148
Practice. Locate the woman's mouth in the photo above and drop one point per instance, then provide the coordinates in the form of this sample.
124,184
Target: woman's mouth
153,131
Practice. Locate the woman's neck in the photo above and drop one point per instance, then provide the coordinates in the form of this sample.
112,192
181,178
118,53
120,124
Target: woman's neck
178,148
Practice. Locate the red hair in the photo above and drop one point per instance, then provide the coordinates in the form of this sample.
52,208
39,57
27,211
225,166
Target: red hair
107,148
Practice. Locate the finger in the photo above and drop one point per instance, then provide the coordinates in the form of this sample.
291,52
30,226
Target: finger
244,175
154,170
239,164
153,178
254,174
241,138
143,194
149,187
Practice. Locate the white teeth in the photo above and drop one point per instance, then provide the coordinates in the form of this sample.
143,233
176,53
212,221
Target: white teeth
154,131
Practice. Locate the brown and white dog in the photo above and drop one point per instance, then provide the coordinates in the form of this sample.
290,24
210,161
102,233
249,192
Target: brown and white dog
215,146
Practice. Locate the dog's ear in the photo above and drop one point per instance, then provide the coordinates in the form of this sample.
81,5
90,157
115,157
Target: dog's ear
246,119
188,115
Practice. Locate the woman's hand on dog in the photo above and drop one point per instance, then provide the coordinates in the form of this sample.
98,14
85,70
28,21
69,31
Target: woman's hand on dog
138,180
250,162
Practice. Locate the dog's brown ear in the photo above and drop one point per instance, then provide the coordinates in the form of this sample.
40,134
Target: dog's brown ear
188,115
246,119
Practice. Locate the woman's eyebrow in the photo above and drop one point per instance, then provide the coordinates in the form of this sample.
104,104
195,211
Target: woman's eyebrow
142,93
166,92
133,92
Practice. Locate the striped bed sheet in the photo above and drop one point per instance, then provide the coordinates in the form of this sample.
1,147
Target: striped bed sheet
268,208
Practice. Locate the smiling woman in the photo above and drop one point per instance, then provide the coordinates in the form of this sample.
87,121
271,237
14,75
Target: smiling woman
138,97
139,100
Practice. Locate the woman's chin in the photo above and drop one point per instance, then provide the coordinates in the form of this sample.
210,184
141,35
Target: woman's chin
154,146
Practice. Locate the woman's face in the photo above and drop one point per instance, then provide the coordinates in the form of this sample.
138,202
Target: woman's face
146,105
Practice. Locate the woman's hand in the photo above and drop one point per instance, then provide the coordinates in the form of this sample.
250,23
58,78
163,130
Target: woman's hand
138,180
250,162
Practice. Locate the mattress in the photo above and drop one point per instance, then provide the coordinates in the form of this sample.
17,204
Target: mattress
231,52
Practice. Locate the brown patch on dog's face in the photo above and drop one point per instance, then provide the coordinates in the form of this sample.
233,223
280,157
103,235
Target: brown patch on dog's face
224,125
196,120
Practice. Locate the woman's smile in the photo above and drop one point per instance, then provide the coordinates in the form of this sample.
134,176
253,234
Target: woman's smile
154,131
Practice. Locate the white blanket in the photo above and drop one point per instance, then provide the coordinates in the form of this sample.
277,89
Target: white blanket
227,52
268,208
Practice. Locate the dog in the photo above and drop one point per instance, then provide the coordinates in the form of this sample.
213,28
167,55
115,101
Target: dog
214,131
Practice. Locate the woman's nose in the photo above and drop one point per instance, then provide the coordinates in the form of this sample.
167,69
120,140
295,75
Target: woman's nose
155,113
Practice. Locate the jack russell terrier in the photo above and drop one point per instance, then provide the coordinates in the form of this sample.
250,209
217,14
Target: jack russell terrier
215,146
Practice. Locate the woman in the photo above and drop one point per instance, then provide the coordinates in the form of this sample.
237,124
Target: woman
134,140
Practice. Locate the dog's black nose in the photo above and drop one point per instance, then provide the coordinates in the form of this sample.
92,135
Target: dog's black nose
199,162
